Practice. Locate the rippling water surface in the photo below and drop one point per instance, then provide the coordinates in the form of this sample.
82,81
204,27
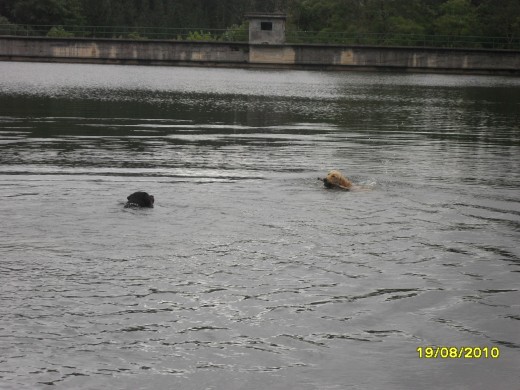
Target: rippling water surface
248,274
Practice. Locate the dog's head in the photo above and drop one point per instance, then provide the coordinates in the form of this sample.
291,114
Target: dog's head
140,199
151,200
335,179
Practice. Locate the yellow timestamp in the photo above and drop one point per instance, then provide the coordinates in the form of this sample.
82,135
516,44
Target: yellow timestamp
458,352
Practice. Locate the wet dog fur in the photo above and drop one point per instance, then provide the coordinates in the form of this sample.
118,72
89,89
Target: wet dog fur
140,199
336,180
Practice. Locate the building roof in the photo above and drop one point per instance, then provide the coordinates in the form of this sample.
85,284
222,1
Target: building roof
264,15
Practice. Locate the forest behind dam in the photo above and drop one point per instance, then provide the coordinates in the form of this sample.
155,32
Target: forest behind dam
489,18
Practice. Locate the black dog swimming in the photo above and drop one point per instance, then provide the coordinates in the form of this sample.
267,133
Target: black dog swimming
140,199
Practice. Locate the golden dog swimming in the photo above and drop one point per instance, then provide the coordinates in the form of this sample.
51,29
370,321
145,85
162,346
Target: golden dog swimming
335,179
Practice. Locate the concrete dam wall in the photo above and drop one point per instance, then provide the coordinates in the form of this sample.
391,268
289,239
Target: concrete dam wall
228,54
118,51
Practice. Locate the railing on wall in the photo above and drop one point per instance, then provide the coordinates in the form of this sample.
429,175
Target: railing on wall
123,32
397,39
240,34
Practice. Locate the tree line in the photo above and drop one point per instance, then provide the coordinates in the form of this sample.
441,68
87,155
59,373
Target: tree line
496,18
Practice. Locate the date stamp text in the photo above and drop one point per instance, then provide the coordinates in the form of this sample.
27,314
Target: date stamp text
458,352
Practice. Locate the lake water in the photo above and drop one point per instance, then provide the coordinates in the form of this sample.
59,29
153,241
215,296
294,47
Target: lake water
248,273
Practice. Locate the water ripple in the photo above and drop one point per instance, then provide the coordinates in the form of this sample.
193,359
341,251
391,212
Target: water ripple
247,273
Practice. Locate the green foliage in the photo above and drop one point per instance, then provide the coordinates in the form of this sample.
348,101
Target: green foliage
378,21
59,32
236,33
135,35
401,25
46,12
8,28
4,20
458,17
200,36
502,21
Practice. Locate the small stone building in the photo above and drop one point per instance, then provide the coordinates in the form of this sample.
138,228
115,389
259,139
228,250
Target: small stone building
266,28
